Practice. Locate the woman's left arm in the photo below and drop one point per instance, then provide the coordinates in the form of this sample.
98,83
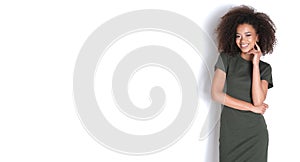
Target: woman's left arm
259,87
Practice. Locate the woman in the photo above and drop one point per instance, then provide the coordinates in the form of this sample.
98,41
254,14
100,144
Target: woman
241,82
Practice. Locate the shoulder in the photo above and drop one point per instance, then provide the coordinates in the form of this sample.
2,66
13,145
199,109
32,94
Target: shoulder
227,57
265,68
264,64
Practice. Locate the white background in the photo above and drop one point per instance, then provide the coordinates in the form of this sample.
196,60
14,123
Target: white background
39,44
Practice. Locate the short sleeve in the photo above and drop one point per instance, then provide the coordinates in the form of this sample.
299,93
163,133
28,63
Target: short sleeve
222,62
266,74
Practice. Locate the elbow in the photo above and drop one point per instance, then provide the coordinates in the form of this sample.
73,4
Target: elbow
214,96
217,96
258,102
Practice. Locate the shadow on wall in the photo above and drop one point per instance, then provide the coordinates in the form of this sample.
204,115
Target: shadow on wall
213,19
210,128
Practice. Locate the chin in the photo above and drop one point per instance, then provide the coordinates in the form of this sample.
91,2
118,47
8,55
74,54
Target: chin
245,51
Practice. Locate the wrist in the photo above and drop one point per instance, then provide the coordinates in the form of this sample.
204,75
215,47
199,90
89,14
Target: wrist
250,107
255,64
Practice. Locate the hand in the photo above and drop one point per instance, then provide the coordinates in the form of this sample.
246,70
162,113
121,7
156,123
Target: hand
256,54
261,109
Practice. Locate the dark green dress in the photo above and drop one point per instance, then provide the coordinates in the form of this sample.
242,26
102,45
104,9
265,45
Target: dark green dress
243,134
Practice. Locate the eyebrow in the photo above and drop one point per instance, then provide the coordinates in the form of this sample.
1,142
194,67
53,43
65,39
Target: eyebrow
244,33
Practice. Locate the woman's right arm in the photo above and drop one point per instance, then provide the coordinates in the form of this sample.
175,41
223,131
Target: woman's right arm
219,96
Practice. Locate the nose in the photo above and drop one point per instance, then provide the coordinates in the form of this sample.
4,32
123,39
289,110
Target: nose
242,39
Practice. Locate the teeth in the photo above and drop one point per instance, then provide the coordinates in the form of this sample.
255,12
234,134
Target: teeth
244,45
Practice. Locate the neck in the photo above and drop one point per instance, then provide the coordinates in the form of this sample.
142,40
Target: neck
248,57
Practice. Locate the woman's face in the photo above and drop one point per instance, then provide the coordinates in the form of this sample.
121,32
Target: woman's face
246,37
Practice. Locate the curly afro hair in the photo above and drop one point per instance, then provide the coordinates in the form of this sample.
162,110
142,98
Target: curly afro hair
261,22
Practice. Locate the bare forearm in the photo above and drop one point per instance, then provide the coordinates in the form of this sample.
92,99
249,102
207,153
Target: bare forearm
232,102
258,95
239,104
219,96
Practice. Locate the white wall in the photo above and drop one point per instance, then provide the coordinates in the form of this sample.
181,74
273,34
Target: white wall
40,42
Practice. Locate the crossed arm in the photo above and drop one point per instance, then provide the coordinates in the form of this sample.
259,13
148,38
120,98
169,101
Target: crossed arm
259,92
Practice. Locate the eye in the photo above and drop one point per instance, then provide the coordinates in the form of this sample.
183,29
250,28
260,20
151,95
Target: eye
248,35
237,36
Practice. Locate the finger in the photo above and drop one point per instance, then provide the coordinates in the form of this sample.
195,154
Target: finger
266,105
253,52
264,110
250,52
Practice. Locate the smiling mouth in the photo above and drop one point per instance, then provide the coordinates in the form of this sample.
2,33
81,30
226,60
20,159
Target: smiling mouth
244,45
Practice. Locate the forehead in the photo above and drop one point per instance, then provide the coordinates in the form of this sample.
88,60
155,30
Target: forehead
243,28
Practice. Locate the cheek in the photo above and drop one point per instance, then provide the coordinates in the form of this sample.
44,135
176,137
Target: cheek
251,40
